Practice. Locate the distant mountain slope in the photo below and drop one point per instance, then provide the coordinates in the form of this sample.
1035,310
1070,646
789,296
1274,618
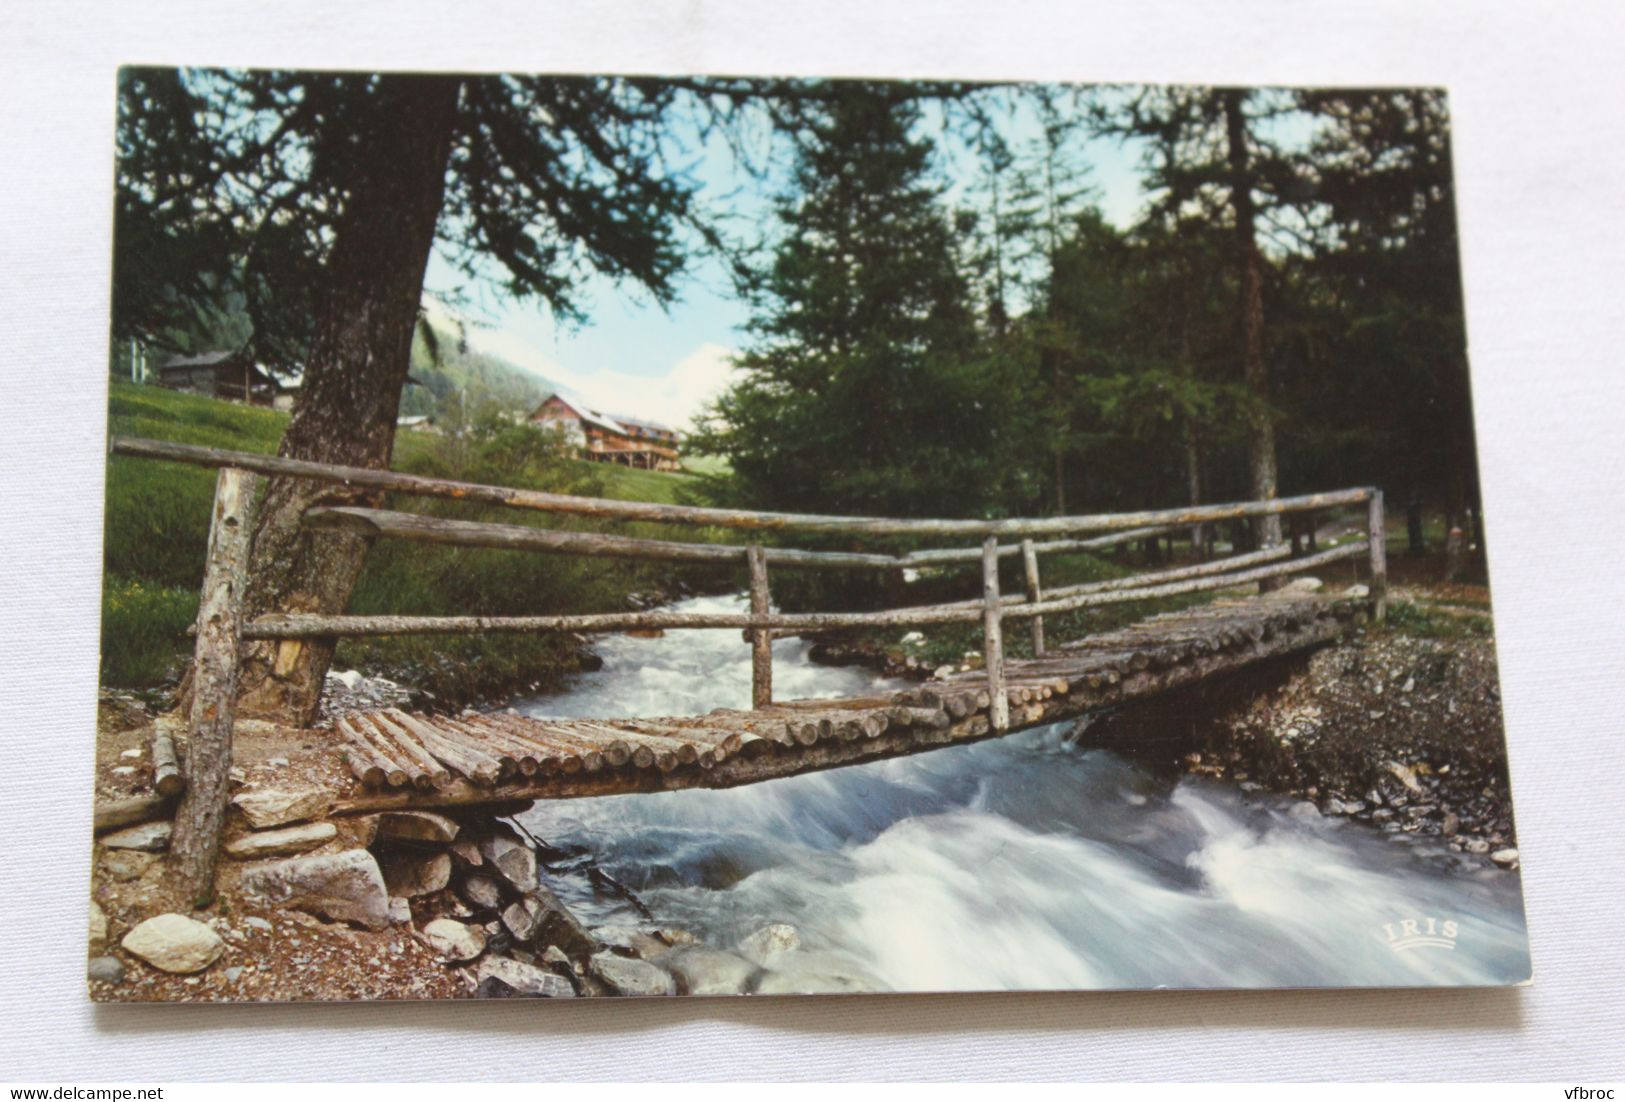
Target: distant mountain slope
460,382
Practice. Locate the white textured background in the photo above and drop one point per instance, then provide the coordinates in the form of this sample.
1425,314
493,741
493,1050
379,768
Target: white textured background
1537,94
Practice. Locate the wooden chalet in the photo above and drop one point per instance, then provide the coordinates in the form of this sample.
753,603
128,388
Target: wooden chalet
230,375
610,439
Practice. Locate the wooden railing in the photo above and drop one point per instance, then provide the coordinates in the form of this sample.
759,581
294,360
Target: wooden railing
992,608
221,627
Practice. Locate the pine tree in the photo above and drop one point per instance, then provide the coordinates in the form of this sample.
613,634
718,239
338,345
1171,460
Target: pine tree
861,389
1386,259
318,197
1208,158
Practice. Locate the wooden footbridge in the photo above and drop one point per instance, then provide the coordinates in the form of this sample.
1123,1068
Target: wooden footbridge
404,759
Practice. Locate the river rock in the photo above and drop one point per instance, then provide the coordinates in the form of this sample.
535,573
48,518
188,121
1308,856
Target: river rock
98,923
530,918
410,874
522,918
346,886
272,807
174,943
281,843
493,988
482,891
709,972
147,838
632,939
1476,845
400,911
125,865
627,976
454,940
770,941
467,852
1304,811
1306,584
416,826
105,970
515,861
523,979
797,982
1405,775
1506,858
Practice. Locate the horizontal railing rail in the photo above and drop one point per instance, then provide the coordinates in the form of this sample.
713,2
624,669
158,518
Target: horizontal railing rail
313,625
518,537
706,516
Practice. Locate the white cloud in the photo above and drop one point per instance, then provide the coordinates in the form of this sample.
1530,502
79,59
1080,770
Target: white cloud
504,343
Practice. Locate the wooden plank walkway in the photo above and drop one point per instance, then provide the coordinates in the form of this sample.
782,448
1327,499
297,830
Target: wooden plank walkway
403,759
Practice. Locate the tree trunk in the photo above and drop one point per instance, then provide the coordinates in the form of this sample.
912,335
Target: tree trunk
1060,482
1415,538
1261,439
1193,480
359,355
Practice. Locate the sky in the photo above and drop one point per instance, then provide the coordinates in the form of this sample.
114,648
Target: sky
634,357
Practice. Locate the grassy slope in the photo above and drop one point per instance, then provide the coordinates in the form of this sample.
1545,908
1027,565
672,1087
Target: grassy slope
157,525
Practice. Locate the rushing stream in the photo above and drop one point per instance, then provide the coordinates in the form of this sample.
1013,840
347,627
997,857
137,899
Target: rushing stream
1021,862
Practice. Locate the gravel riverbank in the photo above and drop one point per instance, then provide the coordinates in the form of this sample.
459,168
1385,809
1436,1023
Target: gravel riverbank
1398,730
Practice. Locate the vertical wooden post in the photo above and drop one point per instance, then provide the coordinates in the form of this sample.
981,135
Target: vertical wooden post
761,639
1377,533
195,847
993,636
1035,593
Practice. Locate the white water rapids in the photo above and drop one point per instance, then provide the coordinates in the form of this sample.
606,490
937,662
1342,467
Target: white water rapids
1021,862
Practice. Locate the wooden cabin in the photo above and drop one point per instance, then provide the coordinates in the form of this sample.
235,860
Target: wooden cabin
610,439
230,375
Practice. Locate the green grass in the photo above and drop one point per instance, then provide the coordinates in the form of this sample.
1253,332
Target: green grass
708,466
143,627
157,530
1423,621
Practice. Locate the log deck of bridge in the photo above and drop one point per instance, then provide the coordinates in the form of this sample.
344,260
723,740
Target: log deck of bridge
493,758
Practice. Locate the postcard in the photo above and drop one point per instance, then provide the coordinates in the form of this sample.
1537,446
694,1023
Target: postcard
595,536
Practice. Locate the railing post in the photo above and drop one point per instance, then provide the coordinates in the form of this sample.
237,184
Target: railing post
199,820
1377,534
1035,593
761,639
993,636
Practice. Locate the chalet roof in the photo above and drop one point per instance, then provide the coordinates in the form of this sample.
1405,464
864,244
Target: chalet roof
233,362
588,414
653,425
201,359
611,422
